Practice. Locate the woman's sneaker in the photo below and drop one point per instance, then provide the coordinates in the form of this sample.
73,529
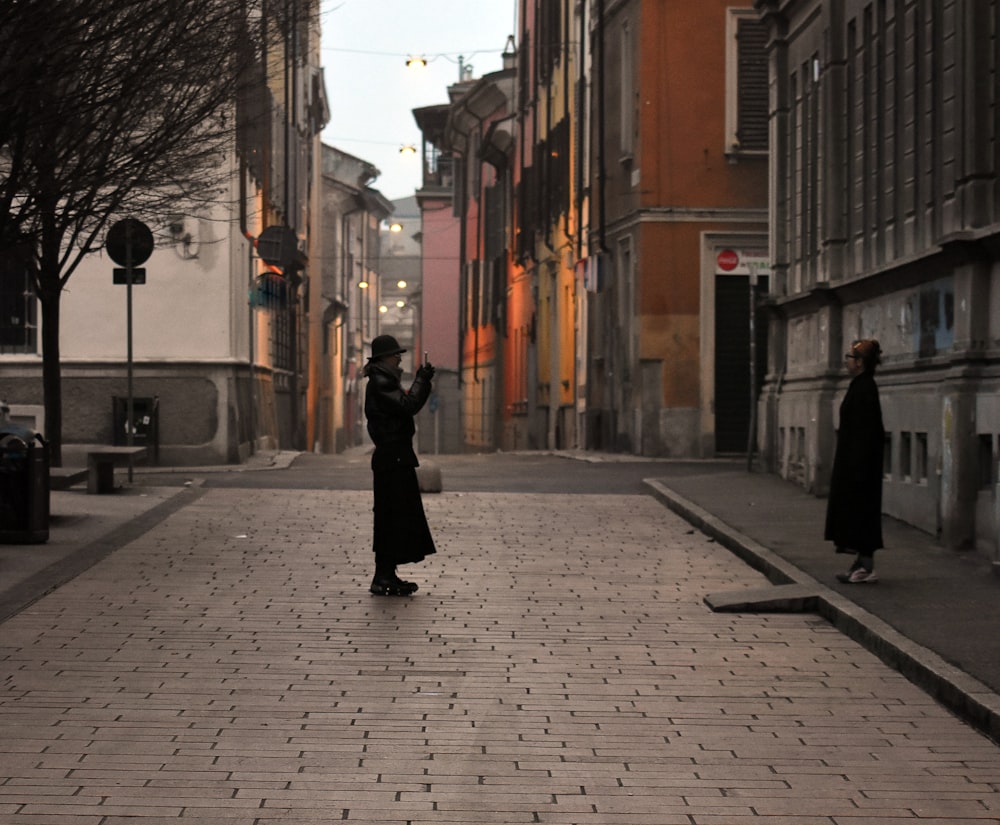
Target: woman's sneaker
858,576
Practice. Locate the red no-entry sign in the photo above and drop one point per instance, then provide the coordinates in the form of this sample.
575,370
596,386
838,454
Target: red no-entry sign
727,260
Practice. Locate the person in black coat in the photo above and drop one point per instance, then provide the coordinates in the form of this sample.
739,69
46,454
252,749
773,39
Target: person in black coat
401,534
854,508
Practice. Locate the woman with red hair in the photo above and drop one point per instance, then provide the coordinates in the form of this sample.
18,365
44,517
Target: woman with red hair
854,508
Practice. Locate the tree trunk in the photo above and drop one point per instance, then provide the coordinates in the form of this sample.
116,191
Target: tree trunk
52,372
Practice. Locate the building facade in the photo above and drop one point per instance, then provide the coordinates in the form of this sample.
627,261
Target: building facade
476,117
219,334
346,316
885,219
439,424
542,393
677,227
614,229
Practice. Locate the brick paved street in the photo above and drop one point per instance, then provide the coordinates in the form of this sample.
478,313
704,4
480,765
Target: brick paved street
558,666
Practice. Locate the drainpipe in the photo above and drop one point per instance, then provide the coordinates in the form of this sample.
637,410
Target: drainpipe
581,130
463,246
265,166
602,169
565,49
291,84
251,304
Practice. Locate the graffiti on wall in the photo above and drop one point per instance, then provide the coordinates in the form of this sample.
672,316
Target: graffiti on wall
936,329
918,322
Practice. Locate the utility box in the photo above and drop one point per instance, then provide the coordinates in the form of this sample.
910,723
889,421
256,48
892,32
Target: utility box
24,488
145,424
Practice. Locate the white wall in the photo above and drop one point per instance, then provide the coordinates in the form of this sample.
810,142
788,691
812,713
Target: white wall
184,311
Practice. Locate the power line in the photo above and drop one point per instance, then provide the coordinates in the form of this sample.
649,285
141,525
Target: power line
451,56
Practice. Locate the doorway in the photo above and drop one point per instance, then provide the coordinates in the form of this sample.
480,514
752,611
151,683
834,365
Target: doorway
732,359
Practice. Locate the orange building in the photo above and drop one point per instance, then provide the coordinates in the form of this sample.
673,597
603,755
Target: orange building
677,226
542,390
478,136
613,194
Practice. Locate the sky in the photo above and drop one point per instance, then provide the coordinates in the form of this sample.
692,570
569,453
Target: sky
371,91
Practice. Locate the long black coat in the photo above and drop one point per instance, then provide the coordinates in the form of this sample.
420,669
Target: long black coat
854,509
401,534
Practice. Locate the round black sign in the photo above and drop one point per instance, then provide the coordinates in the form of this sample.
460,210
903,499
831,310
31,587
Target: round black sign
125,233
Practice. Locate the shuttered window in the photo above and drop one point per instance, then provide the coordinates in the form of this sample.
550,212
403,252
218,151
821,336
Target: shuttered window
746,83
751,84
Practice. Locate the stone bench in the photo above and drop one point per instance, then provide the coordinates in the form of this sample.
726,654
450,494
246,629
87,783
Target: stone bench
101,463
62,478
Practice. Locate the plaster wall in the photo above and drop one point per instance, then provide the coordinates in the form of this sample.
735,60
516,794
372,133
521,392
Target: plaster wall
183,311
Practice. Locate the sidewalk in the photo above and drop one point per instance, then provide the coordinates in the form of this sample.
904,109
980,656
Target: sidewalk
83,528
934,615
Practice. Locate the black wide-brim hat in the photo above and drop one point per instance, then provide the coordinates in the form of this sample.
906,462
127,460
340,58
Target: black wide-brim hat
385,345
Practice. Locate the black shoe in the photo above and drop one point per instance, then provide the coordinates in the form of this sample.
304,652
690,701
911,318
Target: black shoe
389,584
409,587
386,586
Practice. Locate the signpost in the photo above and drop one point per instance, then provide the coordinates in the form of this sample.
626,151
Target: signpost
129,244
752,434
755,264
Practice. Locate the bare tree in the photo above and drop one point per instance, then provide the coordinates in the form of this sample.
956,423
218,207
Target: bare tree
111,108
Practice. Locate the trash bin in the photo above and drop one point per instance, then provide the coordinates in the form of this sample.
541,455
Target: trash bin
24,487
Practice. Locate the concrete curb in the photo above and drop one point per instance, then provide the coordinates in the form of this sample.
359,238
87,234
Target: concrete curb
262,460
961,693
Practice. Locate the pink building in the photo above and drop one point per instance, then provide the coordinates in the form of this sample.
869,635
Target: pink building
439,423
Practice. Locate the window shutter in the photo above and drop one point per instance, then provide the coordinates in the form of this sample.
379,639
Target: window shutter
752,99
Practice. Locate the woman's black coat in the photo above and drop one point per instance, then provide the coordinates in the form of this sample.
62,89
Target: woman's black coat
854,509
401,534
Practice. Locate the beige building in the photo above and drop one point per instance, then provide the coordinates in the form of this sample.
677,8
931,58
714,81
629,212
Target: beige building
346,316
219,336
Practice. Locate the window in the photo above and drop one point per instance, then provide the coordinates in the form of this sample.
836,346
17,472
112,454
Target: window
627,101
18,309
906,456
746,83
920,458
987,463
550,37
